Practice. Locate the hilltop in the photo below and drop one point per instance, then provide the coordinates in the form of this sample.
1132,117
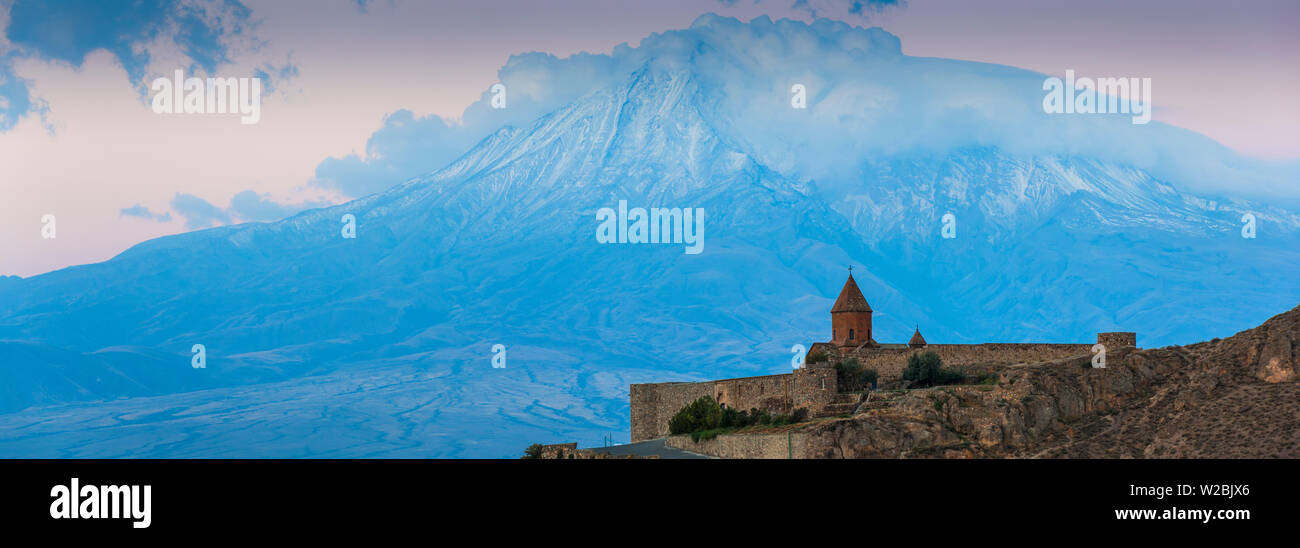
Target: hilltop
1226,398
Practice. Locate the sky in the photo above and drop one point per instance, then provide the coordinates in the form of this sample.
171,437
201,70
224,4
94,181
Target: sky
361,95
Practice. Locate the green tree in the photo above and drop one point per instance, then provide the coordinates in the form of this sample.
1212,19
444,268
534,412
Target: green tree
851,376
701,414
926,369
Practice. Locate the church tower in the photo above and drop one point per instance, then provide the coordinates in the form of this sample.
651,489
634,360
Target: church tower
851,317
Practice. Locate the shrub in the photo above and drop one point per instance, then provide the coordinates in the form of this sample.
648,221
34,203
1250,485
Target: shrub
533,451
730,418
926,369
701,414
850,376
704,435
705,418
798,415
949,376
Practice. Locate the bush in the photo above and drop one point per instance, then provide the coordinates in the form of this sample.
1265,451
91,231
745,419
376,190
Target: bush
851,377
704,435
701,414
730,418
705,418
533,451
926,369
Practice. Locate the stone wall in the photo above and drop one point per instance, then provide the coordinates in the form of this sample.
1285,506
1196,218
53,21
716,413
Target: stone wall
814,386
776,445
814,389
774,393
1117,339
653,404
890,362
559,450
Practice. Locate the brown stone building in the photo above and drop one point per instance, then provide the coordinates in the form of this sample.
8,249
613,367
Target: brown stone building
851,318
814,387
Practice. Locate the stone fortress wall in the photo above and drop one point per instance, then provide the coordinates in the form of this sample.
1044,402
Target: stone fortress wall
654,404
813,387
889,363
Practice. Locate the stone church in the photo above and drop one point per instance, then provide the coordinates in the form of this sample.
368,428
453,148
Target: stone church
814,386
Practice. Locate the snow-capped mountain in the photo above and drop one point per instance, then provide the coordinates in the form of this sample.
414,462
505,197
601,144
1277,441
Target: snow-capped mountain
500,248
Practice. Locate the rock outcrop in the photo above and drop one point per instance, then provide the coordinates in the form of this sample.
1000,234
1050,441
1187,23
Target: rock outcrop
1230,398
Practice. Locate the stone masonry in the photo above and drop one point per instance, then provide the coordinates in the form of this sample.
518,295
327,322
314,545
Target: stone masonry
813,387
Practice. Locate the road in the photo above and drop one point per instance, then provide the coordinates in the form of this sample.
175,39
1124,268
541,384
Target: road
649,448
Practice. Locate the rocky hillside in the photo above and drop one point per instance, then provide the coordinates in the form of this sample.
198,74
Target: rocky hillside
1226,398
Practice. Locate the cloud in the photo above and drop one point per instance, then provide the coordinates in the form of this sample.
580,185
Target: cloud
836,8
67,31
405,147
866,102
246,206
198,213
144,213
206,34
16,100
272,75
251,206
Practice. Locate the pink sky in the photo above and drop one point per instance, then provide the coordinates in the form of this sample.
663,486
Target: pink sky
1227,71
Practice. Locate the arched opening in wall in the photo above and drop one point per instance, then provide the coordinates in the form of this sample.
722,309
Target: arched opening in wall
850,334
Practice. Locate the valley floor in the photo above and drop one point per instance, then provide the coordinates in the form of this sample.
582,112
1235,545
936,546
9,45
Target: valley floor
393,411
